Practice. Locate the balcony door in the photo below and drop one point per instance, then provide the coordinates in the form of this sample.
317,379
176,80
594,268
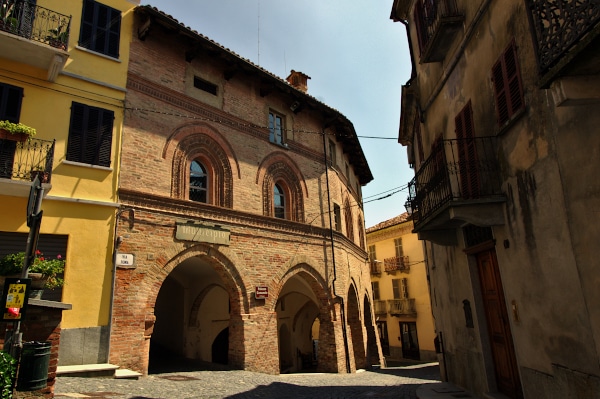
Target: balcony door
467,153
503,353
410,340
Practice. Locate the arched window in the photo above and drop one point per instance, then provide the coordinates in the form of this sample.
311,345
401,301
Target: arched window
198,182
278,202
349,221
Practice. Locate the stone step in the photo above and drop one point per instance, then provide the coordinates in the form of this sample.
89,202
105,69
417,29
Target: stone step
126,373
87,370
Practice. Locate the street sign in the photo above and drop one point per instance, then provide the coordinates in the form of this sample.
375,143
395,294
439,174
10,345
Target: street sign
261,292
14,298
125,259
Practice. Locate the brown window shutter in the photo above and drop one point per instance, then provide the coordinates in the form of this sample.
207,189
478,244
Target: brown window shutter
467,153
508,89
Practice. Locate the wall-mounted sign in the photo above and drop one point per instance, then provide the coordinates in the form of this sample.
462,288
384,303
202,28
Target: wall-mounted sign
125,260
261,292
201,232
14,299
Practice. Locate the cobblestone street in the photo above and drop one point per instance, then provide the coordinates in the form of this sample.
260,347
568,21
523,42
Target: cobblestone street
393,382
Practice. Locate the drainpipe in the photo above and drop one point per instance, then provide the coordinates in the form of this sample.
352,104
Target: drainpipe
341,299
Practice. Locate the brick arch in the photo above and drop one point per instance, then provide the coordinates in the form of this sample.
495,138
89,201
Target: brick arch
228,267
200,141
311,276
279,168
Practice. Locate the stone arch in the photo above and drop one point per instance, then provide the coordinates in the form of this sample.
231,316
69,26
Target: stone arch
279,168
200,141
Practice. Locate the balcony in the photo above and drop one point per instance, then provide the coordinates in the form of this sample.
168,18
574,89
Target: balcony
566,36
34,35
459,184
402,307
380,308
20,162
438,22
375,266
396,264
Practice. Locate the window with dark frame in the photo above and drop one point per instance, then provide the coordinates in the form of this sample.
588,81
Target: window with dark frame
206,86
508,88
396,288
275,128
100,28
278,202
375,287
467,153
10,110
337,215
349,221
198,182
90,135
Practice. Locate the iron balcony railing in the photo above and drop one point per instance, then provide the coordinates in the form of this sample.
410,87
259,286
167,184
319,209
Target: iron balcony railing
402,307
559,26
34,22
465,169
375,267
396,264
24,160
380,307
432,19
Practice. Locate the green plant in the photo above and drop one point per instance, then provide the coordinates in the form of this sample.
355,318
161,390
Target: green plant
58,37
50,269
8,370
7,21
16,128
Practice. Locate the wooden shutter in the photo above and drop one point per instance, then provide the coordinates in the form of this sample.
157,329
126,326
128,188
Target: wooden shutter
100,28
507,85
467,153
87,24
90,135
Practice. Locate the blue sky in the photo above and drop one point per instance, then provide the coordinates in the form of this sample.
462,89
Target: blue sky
356,56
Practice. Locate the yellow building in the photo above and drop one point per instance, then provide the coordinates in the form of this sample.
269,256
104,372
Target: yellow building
63,71
400,290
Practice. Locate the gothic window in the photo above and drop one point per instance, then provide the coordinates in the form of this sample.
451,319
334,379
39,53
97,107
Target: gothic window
279,202
198,182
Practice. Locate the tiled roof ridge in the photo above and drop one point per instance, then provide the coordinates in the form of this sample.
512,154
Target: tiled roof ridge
403,217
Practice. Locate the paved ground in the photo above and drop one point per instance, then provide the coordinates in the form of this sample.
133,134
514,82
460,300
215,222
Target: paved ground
393,382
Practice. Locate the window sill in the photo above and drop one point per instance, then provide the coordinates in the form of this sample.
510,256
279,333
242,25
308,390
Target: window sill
87,165
108,57
509,123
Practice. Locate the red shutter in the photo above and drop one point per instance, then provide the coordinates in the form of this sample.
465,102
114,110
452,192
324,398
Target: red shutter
508,88
467,153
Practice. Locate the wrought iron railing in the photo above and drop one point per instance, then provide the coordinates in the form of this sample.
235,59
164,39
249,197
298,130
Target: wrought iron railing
431,14
34,22
375,267
380,307
402,307
465,169
24,160
396,264
559,25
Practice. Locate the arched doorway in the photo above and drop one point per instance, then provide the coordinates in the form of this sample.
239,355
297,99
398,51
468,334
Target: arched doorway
298,326
192,319
372,348
356,329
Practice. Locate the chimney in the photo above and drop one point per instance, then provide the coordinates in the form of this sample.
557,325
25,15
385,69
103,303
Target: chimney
298,80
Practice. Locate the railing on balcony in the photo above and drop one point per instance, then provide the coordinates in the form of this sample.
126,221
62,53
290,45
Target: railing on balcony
465,169
402,307
437,21
25,160
380,307
34,22
558,27
375,267
396,264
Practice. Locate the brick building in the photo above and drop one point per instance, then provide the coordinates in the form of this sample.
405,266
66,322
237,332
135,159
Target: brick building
241,205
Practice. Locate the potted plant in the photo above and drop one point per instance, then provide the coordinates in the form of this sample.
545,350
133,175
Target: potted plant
58,38
7,21
44,272
15,131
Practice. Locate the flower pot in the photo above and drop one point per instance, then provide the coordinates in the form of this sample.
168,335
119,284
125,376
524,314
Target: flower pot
38,281
6,135
44,176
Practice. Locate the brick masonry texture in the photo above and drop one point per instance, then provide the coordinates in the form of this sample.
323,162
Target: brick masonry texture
228,133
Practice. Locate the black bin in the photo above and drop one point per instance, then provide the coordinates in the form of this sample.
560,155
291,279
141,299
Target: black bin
33,371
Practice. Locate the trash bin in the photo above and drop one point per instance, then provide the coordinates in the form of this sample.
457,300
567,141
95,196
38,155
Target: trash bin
33,370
